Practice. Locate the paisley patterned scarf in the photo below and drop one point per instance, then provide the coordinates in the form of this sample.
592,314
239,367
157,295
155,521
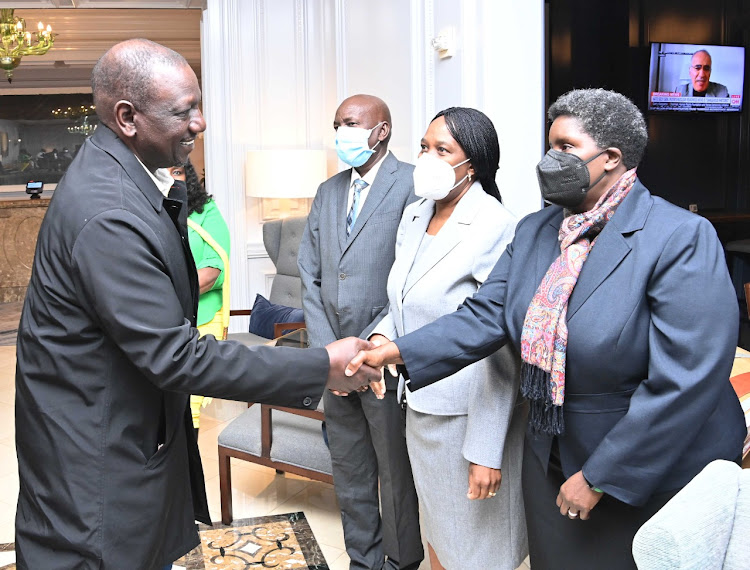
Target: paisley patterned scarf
544,339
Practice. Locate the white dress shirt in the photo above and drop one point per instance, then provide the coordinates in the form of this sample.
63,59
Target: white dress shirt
369,178
161,178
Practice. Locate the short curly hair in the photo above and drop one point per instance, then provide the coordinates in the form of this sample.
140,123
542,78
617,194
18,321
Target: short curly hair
608,117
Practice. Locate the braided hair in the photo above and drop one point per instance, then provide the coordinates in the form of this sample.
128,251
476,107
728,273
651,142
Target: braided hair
477,136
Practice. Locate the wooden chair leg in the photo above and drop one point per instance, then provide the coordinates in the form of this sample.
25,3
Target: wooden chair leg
225,486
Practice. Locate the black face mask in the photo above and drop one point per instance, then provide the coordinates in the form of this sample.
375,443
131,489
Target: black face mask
178,191
564,179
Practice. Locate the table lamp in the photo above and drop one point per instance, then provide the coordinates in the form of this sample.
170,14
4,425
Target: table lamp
285,181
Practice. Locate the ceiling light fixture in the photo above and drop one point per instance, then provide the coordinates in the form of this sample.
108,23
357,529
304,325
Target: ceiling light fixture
17,42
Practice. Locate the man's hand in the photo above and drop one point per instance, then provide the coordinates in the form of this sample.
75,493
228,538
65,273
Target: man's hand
576,499
340,353
377,357
483,481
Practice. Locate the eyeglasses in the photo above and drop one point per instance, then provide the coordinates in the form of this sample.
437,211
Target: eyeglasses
706,68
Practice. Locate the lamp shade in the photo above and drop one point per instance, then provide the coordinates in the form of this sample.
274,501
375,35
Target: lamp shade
284,173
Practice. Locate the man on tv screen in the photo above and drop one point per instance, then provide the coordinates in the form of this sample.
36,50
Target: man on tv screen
700,72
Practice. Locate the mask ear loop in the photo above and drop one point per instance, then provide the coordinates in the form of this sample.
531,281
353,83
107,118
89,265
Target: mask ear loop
583,165
372,129
456,185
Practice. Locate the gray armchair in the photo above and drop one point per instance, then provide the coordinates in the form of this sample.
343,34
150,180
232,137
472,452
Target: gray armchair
281,239
704,526
285,439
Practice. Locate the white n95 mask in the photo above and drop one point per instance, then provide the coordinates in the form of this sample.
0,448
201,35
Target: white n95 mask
434,178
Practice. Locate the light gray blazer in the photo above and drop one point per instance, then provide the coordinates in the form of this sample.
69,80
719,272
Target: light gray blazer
343,279
453,267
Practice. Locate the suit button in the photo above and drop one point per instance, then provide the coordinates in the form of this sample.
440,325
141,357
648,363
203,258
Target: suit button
307,401
342,276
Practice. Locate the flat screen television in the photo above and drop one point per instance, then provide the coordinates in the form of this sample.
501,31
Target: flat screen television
696,78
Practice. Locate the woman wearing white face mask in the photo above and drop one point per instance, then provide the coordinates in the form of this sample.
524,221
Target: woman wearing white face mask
467,428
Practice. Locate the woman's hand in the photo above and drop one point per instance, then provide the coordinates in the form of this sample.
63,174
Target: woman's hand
576,499
377,357
483,481
378,388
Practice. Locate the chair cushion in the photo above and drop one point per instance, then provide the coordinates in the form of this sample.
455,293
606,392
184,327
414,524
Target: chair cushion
297,440
693,529
265,314
248,338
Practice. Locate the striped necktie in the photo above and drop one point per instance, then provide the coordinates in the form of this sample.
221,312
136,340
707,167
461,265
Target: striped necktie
359,185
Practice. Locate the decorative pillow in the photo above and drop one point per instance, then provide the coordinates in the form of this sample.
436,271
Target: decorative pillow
265,314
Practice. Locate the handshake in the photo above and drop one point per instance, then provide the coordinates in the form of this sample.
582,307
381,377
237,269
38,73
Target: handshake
357,364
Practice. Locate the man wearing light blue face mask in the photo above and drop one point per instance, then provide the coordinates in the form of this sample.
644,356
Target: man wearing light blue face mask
344,259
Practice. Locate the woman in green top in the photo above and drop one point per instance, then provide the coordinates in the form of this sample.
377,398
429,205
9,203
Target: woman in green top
204,218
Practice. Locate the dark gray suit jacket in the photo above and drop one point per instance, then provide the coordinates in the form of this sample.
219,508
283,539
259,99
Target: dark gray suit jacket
110,474
652,326
344,279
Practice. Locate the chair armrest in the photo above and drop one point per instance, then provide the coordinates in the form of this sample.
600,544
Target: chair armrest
314,414
278,328
240,312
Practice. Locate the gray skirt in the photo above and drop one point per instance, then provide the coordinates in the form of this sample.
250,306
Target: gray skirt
488,534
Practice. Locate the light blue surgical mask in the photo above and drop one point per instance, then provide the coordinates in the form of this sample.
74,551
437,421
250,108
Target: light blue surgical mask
352,144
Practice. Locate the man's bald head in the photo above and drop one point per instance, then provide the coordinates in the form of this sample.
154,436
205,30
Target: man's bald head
128,71
371,109
375,104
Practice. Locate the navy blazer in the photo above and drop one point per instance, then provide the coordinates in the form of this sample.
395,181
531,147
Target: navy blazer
652,327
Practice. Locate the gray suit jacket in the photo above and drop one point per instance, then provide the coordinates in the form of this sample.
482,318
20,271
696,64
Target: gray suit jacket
652,330
343,279
714,90
455,264
108,354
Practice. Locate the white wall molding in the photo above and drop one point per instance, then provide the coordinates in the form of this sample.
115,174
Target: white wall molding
422,74
472,44
256,250
340,29
224,97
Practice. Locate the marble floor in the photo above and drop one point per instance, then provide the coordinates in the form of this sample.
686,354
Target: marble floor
258,490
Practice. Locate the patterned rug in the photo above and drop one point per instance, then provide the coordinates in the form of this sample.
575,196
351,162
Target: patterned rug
284,542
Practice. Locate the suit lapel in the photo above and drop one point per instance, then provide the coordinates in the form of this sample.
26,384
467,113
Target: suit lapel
342,210
450,235
549,246
413,232
382,184
611,247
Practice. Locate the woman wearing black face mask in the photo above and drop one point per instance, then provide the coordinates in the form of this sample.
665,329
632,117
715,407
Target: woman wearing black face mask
623,311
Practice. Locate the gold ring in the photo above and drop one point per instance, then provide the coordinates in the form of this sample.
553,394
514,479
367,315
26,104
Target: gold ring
491,494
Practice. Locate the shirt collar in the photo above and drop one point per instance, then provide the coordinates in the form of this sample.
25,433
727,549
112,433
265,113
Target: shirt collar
371,174
161,178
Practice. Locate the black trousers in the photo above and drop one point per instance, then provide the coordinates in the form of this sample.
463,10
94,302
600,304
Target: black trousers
557,543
